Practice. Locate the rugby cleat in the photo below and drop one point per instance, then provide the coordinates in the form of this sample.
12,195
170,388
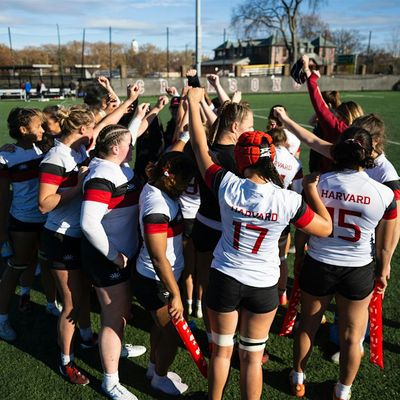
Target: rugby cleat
297,389
73,375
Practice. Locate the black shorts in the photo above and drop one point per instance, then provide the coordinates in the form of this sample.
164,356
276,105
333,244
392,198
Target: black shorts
319,279
150,293
226,294
204,238
101,271
188,225
15,225
63,252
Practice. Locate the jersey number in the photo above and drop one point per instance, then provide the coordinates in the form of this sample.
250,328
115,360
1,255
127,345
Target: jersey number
342,223
236,235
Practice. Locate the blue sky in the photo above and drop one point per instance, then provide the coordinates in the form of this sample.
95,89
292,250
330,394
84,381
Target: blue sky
33,22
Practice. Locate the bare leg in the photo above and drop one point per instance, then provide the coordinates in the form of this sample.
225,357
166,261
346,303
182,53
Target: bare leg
190,260
114,302
25,248
220,362
48,283
312,309
253,326
164,340
69,285
203,268
352,323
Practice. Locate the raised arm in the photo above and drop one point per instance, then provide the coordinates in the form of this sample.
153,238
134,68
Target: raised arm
330,124
113,118
197,135
134,125
313,141
103,81
161,103
216,84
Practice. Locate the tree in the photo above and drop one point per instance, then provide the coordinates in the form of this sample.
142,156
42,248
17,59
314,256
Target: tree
347,41
311,26
272,15
394,45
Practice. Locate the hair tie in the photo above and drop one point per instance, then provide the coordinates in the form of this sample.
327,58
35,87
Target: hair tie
355,141
165,171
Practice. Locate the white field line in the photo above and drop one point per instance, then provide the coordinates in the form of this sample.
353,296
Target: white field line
364,95
392,142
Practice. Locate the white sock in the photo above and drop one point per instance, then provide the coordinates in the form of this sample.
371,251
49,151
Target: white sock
297,377
67,358
86,333
3,318
189,301
24,290
342,391
110,380
198,304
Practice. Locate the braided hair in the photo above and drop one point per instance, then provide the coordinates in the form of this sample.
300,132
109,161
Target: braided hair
109,136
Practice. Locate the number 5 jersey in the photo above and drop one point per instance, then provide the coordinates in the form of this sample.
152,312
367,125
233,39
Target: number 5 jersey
356,204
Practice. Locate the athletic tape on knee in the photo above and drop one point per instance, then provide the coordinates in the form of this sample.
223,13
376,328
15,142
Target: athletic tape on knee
13,266
249,344
222,340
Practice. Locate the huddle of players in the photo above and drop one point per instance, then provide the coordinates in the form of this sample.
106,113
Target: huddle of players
91,217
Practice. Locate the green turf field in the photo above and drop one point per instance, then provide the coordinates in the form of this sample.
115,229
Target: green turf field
28,367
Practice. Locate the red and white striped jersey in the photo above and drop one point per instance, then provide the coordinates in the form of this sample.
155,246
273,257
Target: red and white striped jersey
60,167
384,172
21,168
356,204
289,168
253,218
159,213
109,214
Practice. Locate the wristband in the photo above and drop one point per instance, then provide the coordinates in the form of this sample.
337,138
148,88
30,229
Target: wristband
184,136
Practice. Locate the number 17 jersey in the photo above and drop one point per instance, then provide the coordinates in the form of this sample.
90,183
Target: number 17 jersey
253,217
356,204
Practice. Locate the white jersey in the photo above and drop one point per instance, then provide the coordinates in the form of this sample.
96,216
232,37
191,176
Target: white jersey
289,168
60,167
109,215
356,204
384,172
293,142
21,167
189,200
159,213
253,218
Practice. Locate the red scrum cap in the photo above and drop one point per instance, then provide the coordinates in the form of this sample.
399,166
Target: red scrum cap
252,146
